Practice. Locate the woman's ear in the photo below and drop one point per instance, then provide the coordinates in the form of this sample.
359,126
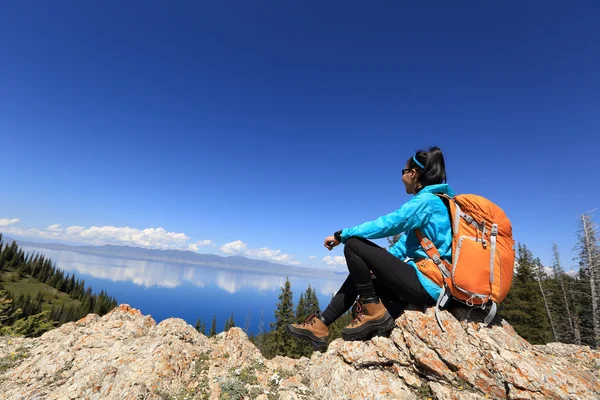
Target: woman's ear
415,177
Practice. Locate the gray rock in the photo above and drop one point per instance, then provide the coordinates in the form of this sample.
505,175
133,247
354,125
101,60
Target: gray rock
126,355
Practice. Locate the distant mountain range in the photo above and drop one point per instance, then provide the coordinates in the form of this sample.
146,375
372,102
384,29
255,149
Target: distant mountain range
182,257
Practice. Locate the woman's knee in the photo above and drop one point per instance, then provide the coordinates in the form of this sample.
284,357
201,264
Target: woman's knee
358,246
350,245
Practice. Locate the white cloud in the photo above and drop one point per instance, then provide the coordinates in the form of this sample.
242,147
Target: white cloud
334,262
337,260
157,238
30,232
201,243
269,254
7,222
154,238
312,257
234,247
272,255
75,230
54,228
264,253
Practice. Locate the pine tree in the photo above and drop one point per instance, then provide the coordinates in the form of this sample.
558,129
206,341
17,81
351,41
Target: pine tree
33,325
563,303
282,342
308,304
259,339
6,307
9,254
61,285
582,299
523,306
589,259
39,298
301,312
229,323
62,314
312,301
26,306
578,307
70,284
213,327
302,347
541,276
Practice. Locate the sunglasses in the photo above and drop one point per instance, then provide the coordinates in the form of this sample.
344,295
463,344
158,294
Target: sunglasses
405,170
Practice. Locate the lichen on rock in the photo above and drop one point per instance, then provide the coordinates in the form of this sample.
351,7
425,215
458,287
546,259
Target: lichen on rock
126,355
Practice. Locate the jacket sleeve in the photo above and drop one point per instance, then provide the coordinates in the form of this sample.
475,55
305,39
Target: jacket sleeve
413,214
399,248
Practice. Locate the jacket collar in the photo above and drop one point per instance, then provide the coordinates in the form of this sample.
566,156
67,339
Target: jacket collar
443,188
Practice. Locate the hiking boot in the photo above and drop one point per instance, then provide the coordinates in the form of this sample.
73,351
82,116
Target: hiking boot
312,329
371,319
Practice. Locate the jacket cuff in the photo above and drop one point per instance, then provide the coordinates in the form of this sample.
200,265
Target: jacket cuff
338,236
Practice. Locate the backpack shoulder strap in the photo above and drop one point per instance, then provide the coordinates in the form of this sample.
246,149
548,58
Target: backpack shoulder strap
429,247
433,253
444,268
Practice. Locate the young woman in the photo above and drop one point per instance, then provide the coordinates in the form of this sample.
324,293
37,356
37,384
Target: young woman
398,270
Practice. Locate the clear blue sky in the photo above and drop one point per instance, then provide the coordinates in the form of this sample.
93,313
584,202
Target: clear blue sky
277,123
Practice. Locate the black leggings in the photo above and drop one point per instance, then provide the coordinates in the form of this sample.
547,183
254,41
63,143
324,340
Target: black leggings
394,280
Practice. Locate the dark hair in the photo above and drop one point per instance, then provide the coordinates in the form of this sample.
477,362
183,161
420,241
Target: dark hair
435,167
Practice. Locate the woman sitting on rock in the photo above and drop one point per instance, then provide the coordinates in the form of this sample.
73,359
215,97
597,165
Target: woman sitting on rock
397,269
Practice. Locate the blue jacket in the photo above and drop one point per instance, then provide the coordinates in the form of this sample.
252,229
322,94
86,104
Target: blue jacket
426,211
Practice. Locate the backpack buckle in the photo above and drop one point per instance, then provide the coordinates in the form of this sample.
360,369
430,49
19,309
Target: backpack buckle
494,230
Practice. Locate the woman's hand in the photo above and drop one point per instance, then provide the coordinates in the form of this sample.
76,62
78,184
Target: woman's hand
331,242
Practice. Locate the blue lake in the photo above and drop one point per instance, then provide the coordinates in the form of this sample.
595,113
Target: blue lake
165,290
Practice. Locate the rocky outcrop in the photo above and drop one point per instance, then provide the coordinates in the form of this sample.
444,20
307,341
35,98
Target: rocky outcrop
126,355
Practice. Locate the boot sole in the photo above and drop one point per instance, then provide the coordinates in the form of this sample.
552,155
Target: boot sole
317,342
371,328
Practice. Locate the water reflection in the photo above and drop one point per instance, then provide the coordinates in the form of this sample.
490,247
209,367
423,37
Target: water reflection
170,275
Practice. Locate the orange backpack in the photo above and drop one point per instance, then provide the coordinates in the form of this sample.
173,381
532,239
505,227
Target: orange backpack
483,253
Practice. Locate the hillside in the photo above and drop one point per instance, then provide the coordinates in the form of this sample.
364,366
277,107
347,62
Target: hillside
29,285
126,355
36,296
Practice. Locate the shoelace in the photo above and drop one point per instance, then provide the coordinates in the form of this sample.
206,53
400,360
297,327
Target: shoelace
310,320
360,313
